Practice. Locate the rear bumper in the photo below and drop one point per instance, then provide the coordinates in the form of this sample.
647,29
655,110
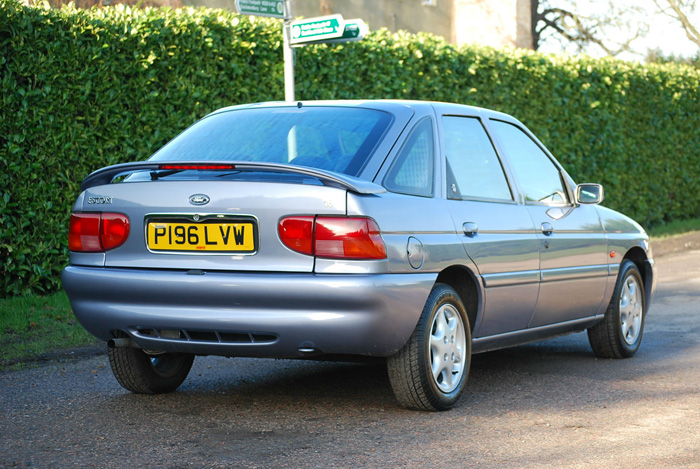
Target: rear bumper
250,314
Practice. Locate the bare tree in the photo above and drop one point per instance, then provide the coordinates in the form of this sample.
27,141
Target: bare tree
612,25
680,10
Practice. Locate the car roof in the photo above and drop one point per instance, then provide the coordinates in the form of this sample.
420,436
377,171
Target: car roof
382,104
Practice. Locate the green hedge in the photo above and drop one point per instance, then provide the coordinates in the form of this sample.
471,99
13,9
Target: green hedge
84,89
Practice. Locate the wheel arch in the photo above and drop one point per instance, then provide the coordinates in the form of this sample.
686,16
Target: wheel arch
465,283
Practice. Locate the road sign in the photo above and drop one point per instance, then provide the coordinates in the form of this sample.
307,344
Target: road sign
355,30
273,8
317,29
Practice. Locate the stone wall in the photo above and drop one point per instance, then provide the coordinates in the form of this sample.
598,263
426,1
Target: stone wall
494,23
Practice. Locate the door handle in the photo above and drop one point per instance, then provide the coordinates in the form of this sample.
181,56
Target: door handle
547,229
470,229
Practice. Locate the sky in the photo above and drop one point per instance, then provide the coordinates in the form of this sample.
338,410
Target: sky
664,33
667,35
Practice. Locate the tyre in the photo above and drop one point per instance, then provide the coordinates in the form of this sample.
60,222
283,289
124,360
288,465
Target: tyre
620,333
141,373
430,371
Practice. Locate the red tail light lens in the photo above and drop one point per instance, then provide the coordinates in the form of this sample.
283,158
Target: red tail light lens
333,237
97,232
297,233
348,238
115,230
84,232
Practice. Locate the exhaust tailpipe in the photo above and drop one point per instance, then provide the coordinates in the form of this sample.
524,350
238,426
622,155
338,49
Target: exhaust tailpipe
122,342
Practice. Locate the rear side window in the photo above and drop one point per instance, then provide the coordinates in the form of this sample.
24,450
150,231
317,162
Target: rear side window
412,170
340,139
473,167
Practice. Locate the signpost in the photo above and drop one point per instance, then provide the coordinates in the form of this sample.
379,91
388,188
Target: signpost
273,8
317,29
355,30
322,30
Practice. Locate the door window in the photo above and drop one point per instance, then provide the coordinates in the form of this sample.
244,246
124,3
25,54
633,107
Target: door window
539,179
473,167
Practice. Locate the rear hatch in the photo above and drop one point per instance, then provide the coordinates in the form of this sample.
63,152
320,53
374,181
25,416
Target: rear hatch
212,224
213,197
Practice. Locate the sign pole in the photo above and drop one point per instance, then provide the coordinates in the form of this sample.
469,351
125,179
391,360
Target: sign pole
288,55
329,29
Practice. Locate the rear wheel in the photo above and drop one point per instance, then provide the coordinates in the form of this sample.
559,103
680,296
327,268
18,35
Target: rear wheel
620,333
430,371
142,373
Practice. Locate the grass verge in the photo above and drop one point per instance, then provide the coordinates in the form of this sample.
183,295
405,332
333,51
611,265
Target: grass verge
34,328
675,228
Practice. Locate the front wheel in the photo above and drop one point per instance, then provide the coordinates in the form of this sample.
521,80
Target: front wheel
142,373
430,371
620,333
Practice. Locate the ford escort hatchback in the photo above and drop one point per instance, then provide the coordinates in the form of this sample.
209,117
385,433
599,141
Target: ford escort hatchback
416,232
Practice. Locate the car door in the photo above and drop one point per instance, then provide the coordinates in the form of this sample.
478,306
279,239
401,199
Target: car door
572,243
497,232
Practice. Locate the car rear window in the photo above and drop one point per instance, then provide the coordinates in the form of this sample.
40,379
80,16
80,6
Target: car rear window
330,138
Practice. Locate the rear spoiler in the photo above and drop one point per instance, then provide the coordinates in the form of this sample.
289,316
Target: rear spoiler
107,175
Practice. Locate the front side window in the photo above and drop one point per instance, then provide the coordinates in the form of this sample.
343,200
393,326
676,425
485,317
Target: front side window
473,167
412,171
538,177
339,139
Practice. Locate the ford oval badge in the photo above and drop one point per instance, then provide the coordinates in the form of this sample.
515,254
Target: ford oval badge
199,199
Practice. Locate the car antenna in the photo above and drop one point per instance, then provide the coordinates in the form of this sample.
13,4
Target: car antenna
299,104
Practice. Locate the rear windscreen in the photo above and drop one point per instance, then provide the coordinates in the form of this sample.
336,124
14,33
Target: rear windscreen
337,139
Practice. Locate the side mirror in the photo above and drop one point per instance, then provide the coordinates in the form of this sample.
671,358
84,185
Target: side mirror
589,193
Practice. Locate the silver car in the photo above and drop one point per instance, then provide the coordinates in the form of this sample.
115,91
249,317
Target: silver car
415,232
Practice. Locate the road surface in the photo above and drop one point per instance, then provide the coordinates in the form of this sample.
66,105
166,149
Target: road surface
549,404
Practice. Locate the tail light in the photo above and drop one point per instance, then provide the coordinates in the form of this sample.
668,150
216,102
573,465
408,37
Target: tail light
114,231
97,232
333,237
199,167
297,233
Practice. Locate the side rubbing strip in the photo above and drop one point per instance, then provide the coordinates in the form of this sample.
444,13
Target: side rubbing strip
511,278
614,269
572,273
551,275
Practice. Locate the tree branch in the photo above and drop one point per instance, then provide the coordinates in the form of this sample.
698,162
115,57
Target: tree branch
690,30
581,30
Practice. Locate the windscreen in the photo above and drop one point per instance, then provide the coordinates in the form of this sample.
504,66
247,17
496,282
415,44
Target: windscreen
337,139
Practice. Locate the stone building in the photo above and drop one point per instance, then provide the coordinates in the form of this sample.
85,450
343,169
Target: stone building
495,23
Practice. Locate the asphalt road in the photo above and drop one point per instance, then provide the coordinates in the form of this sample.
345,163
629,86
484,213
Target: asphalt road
549,404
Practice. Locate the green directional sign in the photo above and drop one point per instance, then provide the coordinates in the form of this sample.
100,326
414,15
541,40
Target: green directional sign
317,29
355,30
273,8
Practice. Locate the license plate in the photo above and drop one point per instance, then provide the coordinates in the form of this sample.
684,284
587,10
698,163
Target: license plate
234,237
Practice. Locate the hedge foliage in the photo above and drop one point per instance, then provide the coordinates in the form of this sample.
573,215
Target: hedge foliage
82,89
